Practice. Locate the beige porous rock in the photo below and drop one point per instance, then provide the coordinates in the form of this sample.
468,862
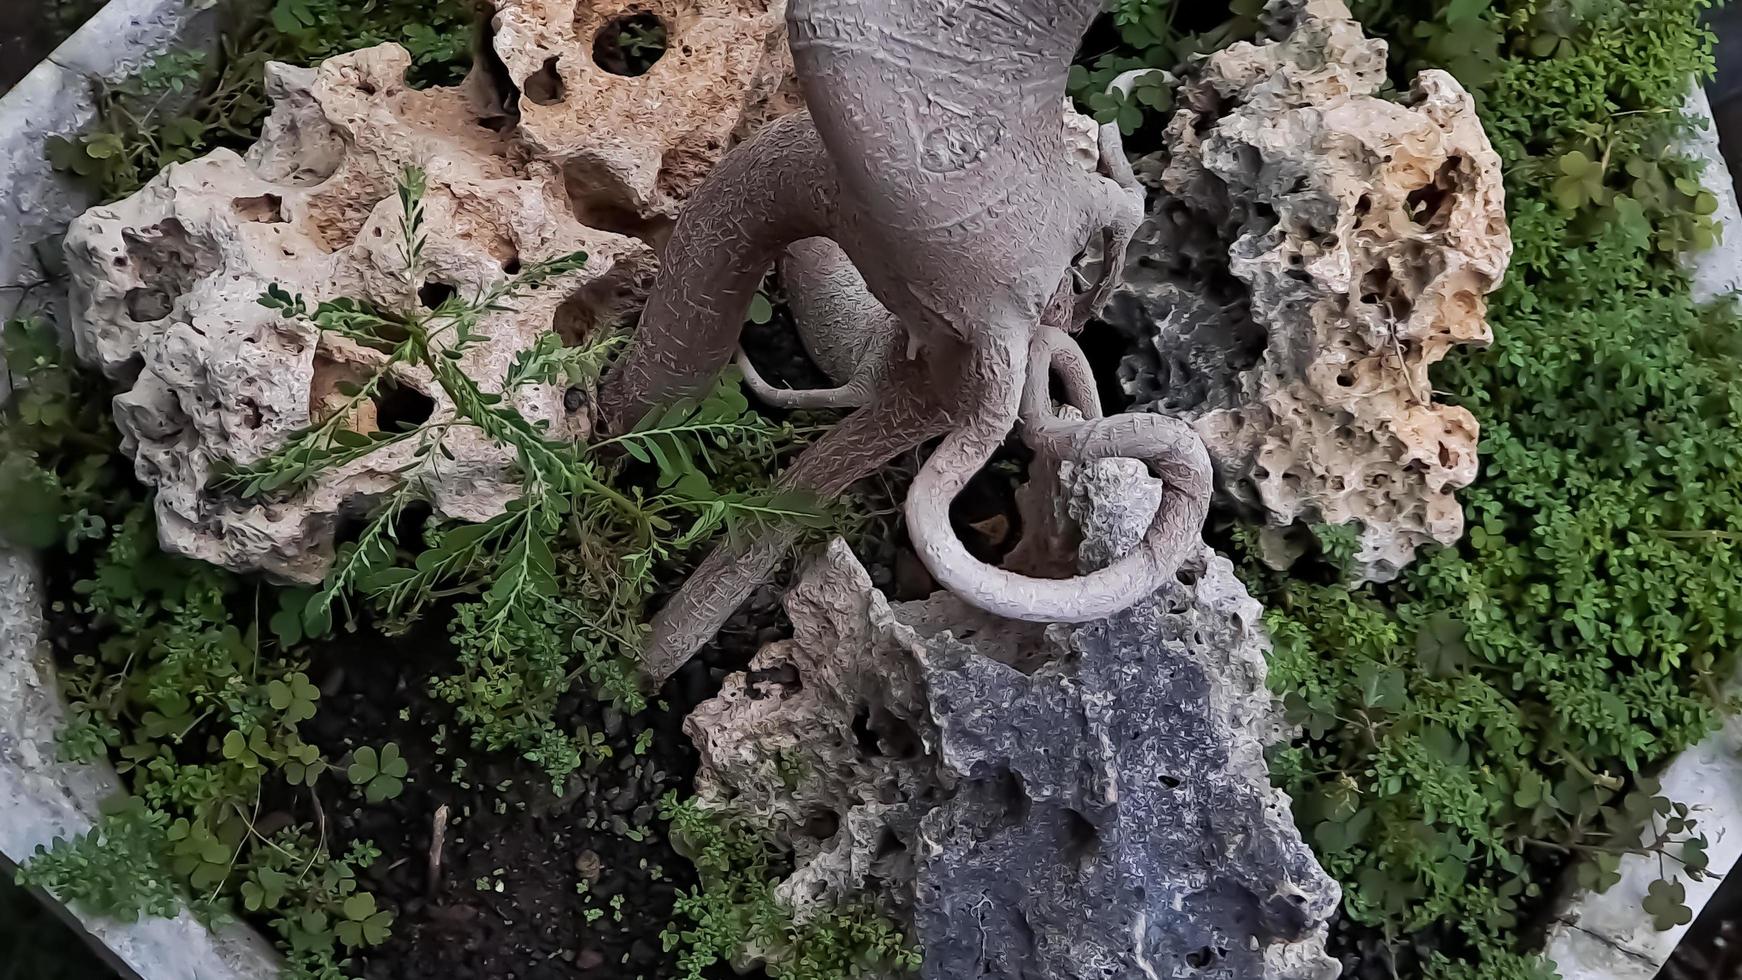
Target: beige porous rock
635,145
166,290
1313,250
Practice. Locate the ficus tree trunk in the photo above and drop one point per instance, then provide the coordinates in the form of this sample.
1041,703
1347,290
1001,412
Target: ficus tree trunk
932,155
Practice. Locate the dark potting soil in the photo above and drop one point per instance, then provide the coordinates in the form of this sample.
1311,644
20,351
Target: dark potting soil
1711,949
505,902
36,944
501,897
30,29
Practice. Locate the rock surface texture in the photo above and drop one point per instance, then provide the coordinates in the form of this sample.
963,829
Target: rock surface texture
635,138
1087,802
1311,251
166,289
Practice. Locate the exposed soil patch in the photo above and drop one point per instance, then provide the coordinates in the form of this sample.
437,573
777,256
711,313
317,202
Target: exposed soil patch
507,899
30,30
532,884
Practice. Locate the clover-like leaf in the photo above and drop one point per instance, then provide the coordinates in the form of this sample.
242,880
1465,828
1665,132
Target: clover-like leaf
1666,903
264,889
364,924
303,764
1383,687
1580,183
761,310
295,696
1601,872
381,774
1694,856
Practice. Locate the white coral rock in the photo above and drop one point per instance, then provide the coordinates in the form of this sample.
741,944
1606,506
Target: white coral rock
635,145
166,289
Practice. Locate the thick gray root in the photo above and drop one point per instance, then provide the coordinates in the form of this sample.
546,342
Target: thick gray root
946,181
775,189
844,329
1170,448
1120,210
856,448
846,332
1071,367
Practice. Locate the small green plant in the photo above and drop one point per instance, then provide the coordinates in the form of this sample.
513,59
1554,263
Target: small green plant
735,908
380,774
187,103
559,582
363,924
1149,40
176,677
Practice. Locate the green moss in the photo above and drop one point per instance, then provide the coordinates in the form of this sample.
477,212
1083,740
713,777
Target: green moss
186,104
1573,640
735,910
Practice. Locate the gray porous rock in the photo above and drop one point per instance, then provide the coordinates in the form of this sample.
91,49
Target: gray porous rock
1034,801
1311,251
166,288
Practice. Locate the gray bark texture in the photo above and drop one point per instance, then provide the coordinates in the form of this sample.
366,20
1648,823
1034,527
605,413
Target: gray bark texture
933,158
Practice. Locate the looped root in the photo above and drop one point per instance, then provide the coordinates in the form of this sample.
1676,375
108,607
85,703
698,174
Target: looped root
1172,451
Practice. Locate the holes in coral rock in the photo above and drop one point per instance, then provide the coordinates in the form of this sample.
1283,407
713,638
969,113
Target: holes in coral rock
329,392
1203,957
167,261
1014,796
399,407
434,293
1379,288
595,197
888,846
1082,840
863,733
267,208
598,307
392,407
146,304
630,44
511,265
899,738
545,86
1430,205
822,824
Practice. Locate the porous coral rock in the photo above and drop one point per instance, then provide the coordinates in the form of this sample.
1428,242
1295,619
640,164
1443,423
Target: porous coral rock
635,145
1033,801
166,289
1312,250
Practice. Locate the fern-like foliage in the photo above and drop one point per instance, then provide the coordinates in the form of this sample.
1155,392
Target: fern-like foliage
572,496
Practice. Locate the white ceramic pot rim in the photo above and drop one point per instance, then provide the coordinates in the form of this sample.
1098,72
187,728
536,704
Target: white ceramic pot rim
41,797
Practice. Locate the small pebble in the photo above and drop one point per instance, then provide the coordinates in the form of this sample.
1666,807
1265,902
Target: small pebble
589,865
